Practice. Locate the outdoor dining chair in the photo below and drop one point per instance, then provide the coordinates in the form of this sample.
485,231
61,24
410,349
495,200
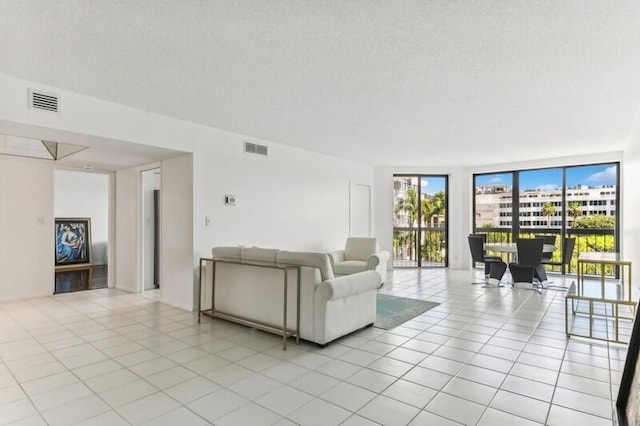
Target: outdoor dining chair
494,266
568,245
528,268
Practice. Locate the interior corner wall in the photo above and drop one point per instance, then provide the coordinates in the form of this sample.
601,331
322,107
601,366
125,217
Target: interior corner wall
26,229
630,232
126,230
383,208
85,195
176,232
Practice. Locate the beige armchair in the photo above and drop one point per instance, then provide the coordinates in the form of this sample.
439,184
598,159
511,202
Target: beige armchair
360,254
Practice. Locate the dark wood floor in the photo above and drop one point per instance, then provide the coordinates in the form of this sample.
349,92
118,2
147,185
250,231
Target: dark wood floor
83,278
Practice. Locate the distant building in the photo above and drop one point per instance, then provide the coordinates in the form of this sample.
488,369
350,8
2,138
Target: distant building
401,217
400,187
494,205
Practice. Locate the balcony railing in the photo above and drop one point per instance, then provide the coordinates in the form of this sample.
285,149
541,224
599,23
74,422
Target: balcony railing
587,240
425,247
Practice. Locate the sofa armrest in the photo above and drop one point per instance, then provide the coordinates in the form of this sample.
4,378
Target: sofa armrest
336,256
348,285
376,259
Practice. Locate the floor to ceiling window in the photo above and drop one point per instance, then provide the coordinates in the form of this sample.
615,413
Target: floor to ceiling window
420,221
540,201
568,202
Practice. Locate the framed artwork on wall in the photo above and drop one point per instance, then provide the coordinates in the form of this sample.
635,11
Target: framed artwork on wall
628,403
73,242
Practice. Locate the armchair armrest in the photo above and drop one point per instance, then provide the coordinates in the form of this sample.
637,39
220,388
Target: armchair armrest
347,285
376,259
336,256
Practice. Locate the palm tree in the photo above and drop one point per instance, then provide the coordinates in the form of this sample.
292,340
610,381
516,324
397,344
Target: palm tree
427,210
548,210
439,204
409,206
574,211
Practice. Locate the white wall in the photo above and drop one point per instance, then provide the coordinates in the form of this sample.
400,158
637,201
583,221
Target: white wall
26,229
81,194
126,232
360,209
292,199
176,232
631,198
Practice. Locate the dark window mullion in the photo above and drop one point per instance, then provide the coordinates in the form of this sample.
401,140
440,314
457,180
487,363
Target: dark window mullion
419,230
515,206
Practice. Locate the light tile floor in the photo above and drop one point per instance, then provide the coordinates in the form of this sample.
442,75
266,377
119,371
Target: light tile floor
485,356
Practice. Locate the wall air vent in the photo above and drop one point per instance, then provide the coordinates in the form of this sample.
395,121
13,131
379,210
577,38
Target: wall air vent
43,101
254,148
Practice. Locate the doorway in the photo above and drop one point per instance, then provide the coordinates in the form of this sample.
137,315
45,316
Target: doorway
150,191
81,199
420,230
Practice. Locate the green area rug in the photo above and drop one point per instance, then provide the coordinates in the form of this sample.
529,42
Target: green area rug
391,311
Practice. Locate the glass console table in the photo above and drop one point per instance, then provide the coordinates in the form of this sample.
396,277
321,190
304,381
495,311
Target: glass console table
279,329
603,260
583,308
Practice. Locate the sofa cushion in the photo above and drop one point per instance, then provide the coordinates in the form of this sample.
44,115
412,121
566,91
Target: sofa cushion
349,267
360,248
313,260
226,253
259,254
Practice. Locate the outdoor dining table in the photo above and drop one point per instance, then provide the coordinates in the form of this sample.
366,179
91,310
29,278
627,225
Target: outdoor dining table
512,248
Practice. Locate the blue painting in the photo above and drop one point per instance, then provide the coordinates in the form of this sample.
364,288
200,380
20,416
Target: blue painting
73,242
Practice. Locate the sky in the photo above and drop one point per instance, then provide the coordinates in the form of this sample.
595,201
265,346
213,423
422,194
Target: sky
431,185
548,179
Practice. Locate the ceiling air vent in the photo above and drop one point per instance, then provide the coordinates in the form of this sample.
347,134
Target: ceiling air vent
43,101
254,148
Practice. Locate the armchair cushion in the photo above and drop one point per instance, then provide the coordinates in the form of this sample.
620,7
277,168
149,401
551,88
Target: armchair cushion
349,267
360,248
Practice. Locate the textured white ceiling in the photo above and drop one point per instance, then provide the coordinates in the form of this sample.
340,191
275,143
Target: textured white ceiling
382,82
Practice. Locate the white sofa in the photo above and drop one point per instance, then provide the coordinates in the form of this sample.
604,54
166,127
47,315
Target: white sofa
360,254
330,307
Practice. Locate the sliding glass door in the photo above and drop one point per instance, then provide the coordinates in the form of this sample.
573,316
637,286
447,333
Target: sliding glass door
420,221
